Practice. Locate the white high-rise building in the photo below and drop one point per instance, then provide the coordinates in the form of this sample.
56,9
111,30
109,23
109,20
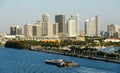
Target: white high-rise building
73,26
37,29
44,28
92,27
47,26
28,30
55,29
97,22
113,30
46,17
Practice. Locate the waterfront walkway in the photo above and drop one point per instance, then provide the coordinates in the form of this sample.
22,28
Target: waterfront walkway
115,60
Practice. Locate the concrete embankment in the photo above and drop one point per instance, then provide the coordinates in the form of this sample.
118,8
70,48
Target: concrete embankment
83,56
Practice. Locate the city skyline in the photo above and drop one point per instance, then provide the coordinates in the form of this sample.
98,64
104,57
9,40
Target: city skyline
48,29
21,12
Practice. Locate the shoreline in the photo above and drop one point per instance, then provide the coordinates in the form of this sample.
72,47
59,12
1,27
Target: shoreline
80,56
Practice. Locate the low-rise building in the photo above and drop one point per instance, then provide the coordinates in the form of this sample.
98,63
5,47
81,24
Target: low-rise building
112,40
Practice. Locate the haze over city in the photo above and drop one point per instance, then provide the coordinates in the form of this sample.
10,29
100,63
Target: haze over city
20,12
59,36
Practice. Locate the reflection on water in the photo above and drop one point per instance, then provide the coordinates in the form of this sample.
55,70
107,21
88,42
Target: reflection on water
25,61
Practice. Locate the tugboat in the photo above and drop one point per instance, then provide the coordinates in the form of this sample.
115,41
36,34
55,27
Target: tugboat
62,63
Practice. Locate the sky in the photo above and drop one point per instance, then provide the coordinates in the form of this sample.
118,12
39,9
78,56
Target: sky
20,12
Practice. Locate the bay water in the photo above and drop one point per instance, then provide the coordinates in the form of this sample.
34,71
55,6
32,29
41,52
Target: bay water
27,61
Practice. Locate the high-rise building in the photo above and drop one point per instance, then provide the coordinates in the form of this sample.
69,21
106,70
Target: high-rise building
55,29
15,30
45,17
113,30
73,26
97,22
60,19
44,28
47,26
48,29
92,27
37,29
28,30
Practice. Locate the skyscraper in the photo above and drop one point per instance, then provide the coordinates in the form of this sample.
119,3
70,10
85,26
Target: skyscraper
113,30
28,30
73,26
44,28
45,17
60,19
47,26
55,29
92,27
15,30
97,22
47,29
37,29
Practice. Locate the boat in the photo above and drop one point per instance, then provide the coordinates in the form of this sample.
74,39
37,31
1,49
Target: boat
61,63
54,62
